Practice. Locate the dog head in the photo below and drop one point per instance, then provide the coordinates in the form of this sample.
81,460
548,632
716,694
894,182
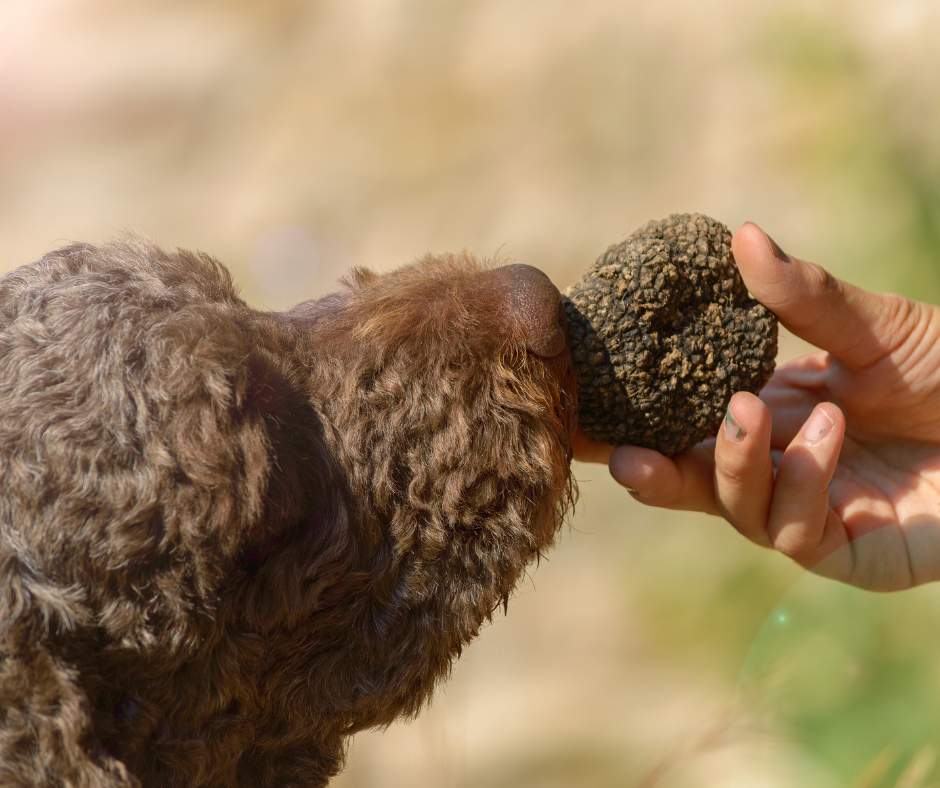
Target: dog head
450,403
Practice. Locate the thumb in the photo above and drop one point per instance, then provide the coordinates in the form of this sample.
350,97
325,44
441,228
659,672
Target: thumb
854,325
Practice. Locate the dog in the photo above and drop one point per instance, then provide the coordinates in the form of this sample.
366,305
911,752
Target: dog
231,538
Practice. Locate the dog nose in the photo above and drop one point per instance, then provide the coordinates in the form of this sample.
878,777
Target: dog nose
534,307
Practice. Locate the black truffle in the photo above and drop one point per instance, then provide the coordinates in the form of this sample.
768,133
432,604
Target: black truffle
662,332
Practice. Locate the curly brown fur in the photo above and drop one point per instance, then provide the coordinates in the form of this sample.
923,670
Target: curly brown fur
229,539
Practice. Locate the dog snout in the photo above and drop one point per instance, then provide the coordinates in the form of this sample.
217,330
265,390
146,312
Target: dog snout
534,306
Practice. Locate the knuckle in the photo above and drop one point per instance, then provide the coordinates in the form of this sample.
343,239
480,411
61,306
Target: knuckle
663,499
811,485
900,317
822,292
795,543
821,281
803,474
734,469
897,308
747,525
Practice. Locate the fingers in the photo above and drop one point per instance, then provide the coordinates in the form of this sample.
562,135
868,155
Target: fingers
684,482
743,471
800,522
790,407
586,450
794,390
805,372
856,326
653,478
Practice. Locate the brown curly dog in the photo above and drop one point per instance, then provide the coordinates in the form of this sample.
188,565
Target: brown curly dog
230,538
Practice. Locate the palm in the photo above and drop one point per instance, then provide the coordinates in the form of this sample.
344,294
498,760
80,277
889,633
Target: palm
883,530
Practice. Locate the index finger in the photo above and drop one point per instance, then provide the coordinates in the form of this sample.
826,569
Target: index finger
683,482
856,326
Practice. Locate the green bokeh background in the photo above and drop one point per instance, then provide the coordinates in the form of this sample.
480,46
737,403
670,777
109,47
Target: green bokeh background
296,139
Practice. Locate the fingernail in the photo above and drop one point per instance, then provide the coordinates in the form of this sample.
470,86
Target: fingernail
620,470
733,430
781,255
818,426
632,490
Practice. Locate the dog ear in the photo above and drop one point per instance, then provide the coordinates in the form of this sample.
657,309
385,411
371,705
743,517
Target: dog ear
360,277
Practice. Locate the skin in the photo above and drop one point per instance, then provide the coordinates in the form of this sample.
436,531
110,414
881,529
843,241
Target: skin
837,463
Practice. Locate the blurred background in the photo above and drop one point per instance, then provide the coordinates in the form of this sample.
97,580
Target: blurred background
295,139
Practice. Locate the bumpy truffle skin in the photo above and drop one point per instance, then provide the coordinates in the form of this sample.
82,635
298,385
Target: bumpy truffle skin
662,333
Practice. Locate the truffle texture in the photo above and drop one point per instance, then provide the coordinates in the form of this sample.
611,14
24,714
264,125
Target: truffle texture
662,332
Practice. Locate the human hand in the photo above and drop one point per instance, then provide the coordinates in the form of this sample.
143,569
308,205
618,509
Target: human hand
837,463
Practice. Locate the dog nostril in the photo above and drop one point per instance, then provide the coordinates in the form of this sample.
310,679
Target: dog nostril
535,308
